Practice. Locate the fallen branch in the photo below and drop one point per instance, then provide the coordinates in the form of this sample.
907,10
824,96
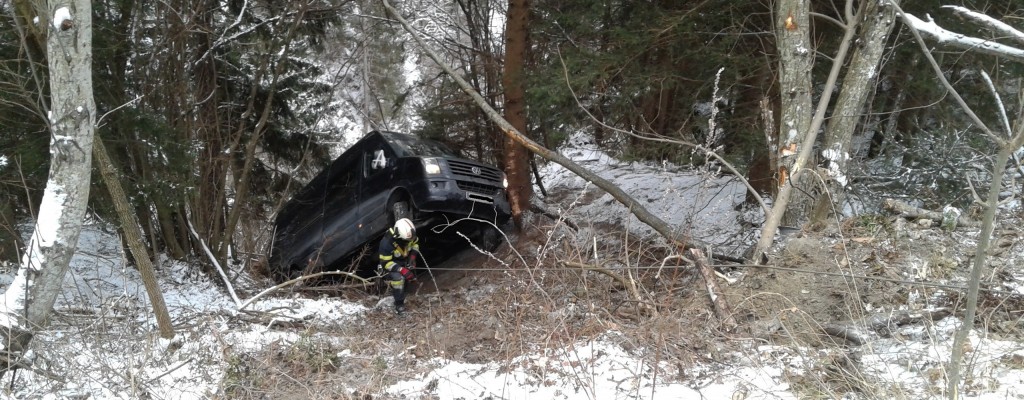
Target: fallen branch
722,308
909,211
883,323
213,260
364,281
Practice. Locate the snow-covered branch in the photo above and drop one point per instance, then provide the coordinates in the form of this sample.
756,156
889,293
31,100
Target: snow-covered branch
959,40
997,26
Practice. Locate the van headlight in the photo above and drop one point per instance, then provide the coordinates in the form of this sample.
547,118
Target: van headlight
431,166
504,180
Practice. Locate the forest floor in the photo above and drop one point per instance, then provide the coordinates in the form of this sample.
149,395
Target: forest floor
864,309
592,305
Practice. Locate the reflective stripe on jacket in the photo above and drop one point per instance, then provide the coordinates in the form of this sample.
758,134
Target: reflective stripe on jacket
393,250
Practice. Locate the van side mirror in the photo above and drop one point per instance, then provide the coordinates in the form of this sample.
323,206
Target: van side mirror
379,161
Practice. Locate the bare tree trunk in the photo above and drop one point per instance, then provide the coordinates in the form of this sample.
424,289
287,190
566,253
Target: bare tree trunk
796,58
29,300
10,243
802,147
858,83
24,11
208,203
517,158
980,255
133,235
169,87
721,306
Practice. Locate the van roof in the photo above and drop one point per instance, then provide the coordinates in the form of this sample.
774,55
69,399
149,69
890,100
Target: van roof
407,145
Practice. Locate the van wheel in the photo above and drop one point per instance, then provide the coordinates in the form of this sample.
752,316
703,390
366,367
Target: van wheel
490,238
399,210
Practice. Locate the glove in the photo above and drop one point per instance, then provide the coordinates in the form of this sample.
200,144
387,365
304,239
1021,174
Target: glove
404,272
407,274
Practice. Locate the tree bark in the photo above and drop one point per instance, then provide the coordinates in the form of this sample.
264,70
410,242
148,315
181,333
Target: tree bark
209,202
806,143
517,158
24,11
877,23
9,240
29,299
133,235
796,59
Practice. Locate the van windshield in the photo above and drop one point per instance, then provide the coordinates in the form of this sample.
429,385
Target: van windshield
415,147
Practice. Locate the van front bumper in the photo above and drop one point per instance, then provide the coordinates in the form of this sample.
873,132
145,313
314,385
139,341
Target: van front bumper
449,197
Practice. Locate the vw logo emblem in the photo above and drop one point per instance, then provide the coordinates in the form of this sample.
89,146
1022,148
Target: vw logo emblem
476,170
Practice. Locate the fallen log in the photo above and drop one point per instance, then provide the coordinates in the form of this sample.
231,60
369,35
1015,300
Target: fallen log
857,332
910,211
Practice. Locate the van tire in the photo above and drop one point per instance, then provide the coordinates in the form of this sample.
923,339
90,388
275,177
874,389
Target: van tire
399,210
490,238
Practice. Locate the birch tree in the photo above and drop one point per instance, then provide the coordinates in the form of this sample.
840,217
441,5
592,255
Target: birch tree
29,300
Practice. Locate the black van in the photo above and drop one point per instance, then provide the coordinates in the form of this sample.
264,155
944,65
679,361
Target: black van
386,176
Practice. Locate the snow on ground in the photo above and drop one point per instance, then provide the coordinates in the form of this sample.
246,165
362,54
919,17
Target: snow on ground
99,290
104,342
700,205
598,369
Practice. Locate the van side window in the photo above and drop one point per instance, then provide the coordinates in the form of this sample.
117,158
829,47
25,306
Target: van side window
374,162
379,161
343,189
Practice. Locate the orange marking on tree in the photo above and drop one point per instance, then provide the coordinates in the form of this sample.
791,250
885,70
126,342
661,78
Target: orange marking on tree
790,25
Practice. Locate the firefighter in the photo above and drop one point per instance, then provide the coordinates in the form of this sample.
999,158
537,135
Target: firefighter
397,252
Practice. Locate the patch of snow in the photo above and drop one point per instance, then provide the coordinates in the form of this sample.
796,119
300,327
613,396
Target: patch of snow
836,158
62,14
698,205
598,369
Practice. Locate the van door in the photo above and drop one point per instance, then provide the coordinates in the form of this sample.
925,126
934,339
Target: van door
339,234
378,180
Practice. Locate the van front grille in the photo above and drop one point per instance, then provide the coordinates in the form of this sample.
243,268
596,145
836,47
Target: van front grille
462,168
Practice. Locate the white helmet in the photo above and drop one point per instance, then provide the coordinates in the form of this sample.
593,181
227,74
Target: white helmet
404,229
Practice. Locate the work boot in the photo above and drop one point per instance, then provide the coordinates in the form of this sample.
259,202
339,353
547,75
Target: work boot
399,309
